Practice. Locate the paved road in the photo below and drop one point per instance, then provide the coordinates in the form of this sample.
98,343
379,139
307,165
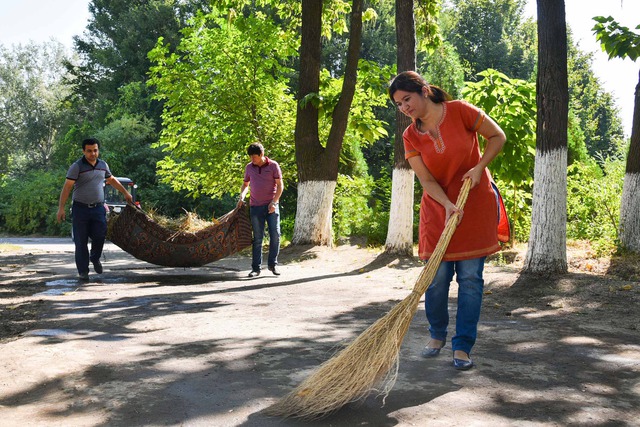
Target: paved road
48,244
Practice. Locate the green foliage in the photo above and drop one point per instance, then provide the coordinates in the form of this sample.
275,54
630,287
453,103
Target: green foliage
363,128
444,68
576,146
113,50
617,40
218,99
30,203
351,213
125,147
428,31
33,106
517,202
361,208
598,118
511,102
491,34
593,202
380,203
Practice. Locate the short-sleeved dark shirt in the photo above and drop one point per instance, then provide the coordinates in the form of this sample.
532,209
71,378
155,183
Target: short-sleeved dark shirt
89,186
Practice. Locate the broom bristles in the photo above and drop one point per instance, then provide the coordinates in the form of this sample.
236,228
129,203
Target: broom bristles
372,358
352,373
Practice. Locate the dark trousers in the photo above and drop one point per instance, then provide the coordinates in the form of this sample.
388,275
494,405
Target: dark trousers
259,215
88,223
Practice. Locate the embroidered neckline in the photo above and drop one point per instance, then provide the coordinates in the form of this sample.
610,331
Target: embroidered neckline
438,142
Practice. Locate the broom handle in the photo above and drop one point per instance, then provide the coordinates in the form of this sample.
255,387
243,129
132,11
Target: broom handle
429,271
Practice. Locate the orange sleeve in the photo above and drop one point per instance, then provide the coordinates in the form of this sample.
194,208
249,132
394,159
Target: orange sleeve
409,148
472,116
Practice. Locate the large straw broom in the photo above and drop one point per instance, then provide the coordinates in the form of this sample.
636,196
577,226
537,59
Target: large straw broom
372,359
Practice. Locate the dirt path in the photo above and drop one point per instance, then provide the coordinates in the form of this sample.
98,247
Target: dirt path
145,346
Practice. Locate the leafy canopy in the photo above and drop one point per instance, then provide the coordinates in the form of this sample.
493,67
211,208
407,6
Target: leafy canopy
225,87
33,107
513,104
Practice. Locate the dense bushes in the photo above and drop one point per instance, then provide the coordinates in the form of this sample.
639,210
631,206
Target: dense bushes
29,204
593,202
354,213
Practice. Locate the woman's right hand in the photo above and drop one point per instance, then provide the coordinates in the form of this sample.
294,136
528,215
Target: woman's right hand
451,209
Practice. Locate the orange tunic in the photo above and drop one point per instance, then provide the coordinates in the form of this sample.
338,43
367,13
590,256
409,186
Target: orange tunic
448,158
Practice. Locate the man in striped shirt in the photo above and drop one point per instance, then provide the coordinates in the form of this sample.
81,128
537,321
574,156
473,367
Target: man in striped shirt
86,177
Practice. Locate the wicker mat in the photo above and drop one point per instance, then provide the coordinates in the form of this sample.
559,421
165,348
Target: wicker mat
134,232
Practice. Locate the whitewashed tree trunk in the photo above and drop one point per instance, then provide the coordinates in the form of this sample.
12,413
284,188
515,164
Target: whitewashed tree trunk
400,231
547,250
630,206
630,212
313,214
318,163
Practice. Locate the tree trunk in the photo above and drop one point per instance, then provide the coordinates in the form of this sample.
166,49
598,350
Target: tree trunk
313,219
547,250
630,206
318,165
400,230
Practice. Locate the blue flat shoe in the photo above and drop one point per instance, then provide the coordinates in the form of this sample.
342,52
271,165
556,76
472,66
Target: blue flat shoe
462,365
428,352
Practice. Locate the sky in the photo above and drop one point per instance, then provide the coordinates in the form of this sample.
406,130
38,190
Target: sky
22,21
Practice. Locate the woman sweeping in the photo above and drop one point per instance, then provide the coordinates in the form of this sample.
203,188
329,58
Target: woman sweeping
441,145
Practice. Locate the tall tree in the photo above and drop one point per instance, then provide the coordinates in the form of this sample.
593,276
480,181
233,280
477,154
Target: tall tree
113,49
32,107
400,230
223,88
599,119
317,162
547,251
620,42
492,34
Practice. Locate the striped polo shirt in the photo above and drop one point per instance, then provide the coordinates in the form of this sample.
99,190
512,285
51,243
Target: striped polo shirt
89,186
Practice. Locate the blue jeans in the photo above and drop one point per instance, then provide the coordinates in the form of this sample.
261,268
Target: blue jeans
470,288
88,223
259,215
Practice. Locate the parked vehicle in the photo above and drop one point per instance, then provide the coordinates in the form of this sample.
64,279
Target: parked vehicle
115,200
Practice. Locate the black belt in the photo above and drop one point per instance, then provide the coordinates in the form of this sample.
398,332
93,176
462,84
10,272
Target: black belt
88,205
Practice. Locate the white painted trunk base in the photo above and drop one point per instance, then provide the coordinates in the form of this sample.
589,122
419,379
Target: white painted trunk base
313,215
630,213
400,231
547,250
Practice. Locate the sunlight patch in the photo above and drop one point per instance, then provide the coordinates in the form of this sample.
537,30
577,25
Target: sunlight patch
582,340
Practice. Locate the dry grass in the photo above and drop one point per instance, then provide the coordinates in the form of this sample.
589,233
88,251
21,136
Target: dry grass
190,222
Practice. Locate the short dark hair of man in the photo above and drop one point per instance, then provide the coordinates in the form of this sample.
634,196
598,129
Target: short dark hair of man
90,141
255,148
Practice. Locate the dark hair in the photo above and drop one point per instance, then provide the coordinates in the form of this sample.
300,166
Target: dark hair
90,141
255,148
410,81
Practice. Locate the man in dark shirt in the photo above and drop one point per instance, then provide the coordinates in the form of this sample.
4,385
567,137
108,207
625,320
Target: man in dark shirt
86,177
265,178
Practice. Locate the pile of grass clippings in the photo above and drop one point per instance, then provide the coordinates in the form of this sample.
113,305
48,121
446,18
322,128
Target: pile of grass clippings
190,222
